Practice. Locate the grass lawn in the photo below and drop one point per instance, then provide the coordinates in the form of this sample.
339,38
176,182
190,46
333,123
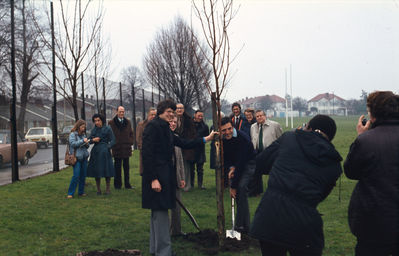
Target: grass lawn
37,219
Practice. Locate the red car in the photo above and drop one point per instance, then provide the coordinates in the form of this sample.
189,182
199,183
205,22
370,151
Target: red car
26,150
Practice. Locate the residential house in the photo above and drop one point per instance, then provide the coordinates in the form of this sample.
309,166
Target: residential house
277,105
328,104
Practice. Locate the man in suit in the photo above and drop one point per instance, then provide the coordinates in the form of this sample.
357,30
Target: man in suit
238,120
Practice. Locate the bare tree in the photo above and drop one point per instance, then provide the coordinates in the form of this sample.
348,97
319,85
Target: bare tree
29,59
100,66
4,47
266,103
215,17
76,30
171,66
134,81
4,33
27,54
299,104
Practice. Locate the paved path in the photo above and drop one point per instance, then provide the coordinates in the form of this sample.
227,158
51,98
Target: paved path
29,171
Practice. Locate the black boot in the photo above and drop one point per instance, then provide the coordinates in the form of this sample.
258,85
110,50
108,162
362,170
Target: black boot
200,180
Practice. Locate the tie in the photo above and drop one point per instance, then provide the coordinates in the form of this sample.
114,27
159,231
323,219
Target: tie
236,126
260,146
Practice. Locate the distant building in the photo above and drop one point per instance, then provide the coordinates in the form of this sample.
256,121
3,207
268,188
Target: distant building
277,105
328,104
38,110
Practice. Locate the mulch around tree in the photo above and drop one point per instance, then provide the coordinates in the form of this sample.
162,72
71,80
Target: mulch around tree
207,241
111,252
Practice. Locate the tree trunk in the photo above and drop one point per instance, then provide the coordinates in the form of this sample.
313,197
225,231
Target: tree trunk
219,172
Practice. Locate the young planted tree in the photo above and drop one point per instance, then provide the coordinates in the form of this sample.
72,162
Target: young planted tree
215,18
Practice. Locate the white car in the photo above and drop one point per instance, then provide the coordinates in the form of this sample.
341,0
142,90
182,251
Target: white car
40,135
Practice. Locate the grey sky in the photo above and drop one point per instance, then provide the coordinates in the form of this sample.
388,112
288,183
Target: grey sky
333,46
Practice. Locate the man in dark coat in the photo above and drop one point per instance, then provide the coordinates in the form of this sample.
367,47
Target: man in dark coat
200,158
238,119
303,167
186,130
373,160
238,155
122,150
159,174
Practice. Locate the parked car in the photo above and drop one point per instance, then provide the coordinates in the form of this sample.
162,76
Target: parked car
43,136
63,136
26,150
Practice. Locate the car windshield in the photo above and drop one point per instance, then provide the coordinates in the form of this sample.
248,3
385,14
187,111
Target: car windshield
3,138
39,131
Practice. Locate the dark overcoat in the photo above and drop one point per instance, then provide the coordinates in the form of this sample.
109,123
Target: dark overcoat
186,130
237,152
303,168
100,163
373,160
202,131
158,152
124,137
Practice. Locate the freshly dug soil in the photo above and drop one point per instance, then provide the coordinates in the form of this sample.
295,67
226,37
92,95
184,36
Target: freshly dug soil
111,252
207,241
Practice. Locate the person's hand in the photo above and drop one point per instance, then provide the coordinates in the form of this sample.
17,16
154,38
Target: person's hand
211,136
231,172
96,139
85,140
156,186
233,192
360,128
182,184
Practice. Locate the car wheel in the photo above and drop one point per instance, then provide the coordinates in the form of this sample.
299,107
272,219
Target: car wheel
1,162
25,161
46,144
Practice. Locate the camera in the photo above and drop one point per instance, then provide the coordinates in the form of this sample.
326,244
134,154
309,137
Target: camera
364,121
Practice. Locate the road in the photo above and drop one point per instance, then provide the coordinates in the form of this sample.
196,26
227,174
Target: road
39,164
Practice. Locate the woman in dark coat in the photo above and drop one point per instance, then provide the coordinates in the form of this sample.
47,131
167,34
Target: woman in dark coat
373,160
100,163
303,167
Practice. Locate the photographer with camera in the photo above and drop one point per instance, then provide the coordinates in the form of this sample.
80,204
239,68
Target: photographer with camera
373,160
303,167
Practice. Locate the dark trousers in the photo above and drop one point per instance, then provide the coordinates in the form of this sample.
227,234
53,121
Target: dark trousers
269,249
118,172
200,173
371,248
242,219
255,186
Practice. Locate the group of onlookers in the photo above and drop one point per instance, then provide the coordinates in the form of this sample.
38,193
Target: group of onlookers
302,164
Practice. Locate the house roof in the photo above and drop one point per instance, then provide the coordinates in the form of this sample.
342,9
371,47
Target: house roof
274,99
327,96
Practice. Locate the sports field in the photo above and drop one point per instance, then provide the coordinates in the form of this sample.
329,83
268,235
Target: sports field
37,219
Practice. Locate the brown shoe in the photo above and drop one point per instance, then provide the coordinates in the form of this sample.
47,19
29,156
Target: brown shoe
69,197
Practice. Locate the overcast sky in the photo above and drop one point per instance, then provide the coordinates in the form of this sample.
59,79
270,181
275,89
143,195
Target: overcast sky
338,47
